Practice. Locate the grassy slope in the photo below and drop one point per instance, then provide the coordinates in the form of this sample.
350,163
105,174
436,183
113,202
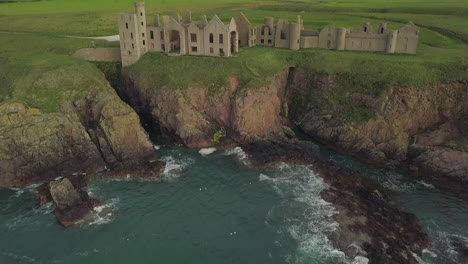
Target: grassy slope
441,56
38,71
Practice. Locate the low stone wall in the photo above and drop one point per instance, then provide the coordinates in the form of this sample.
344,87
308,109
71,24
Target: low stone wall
98,54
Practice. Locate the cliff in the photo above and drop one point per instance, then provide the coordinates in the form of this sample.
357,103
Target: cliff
87,129
199,117
419,128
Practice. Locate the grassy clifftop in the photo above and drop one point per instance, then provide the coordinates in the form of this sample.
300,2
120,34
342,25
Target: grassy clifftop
252,66
38,71
35,67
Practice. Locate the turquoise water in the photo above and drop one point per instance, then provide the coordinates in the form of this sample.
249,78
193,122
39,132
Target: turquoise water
213,209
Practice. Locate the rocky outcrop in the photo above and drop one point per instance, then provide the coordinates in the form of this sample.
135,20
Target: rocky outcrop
369,221
88,135
72,204
370,225
194,115
406,127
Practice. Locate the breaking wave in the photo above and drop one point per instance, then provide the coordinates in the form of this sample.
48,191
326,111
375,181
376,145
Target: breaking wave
175,166
239,152
104,214
19,191
24,218
206,151
306,216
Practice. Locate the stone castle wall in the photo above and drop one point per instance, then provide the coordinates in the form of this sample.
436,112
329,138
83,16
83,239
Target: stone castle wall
176,35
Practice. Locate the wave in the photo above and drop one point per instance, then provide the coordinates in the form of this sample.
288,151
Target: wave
18,258
22,190
306,216
239,152
103,214
26,218
443,248
206,151
175,166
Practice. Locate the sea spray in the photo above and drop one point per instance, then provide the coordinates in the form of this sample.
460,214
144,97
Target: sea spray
306,216
104,213
175,166
206,151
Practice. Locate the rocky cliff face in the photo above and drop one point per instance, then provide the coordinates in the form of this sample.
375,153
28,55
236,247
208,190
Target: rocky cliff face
420,128
86,136
196,116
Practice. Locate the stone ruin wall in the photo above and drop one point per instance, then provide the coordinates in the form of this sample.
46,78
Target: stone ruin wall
217,39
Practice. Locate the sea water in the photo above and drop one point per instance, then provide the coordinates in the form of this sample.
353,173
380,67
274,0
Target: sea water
210,208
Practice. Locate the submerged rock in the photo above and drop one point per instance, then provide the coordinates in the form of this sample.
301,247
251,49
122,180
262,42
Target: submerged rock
369,220
370,224
268,153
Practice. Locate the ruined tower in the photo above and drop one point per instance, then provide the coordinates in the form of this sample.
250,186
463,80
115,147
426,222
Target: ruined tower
141,19
391,41
132,31
295,34
341,39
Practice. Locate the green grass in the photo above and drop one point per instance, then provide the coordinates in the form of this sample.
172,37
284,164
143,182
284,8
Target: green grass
38,71
36,67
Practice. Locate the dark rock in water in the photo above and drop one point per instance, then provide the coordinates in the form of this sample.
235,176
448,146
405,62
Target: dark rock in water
72,202
149,167
268,153
461,248
43,194
429,163
368,218
370,224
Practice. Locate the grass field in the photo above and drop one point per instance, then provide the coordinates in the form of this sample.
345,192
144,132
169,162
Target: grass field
40,49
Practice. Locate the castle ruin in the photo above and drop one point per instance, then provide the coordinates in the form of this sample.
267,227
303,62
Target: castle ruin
176,35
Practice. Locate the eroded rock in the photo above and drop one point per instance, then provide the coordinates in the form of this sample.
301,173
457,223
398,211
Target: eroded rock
370,224
72,203
194,115
404,121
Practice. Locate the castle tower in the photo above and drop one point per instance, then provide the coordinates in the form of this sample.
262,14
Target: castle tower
341,39
295,34
141,24
391,41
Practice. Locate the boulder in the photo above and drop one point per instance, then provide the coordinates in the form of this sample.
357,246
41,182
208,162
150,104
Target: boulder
64,194
72,203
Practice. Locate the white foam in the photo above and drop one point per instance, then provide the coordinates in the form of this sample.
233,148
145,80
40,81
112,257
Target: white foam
103,214
206,151
301,189
175,166
264,177
425,184
19,258
21,190
360,260
24,218
238,151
